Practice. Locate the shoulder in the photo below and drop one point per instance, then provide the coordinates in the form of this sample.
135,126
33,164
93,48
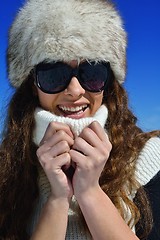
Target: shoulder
148,162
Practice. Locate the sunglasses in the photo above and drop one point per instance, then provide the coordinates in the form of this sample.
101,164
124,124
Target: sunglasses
55,77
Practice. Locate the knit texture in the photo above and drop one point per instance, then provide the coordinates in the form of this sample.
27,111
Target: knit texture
43,118
148,163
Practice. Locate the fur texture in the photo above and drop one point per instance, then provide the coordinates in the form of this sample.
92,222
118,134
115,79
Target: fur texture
66,30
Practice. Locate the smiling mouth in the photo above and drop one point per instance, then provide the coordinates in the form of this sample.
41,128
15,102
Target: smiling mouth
73,110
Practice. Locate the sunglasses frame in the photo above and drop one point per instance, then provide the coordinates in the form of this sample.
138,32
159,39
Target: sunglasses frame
45,65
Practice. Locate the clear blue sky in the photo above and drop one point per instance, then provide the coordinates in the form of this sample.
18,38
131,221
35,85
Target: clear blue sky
141,20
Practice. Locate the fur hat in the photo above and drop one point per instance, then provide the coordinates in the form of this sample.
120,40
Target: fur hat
54,30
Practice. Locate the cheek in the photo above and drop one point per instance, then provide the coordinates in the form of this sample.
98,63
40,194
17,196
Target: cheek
46,100
96,98
98,102
45,103
95,101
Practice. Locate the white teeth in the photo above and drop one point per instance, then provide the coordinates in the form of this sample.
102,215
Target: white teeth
73,109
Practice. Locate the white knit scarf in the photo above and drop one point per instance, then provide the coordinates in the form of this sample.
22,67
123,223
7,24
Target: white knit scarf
43,118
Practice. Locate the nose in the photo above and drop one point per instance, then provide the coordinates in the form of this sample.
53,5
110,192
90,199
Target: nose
74,88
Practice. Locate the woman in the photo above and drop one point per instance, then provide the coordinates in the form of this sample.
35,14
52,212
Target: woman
73,161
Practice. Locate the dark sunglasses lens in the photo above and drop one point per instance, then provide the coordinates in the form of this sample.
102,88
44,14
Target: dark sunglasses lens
94,76
52,78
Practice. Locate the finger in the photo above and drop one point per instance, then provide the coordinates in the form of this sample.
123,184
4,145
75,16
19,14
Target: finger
59,148
53,127
100,132
90,137
47,151
96,137
63,160
82,146
59,136
69,170
50,163
102,135
78,158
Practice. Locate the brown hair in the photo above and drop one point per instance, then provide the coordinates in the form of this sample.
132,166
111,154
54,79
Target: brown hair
19,165
118,178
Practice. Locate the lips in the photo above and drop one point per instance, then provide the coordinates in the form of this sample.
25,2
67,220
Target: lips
73,111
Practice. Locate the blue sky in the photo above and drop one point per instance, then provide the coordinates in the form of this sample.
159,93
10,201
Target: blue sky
141,20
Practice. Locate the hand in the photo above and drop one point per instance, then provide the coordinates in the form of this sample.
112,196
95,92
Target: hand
54,157
90,152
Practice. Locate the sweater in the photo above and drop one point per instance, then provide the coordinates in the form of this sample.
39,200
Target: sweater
148,164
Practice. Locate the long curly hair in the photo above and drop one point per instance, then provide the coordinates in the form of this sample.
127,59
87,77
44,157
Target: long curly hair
19,165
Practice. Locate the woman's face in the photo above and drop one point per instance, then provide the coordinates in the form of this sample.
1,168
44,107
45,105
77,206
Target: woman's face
74,102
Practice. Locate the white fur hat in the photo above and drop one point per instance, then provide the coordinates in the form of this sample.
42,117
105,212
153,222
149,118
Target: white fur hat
65,30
